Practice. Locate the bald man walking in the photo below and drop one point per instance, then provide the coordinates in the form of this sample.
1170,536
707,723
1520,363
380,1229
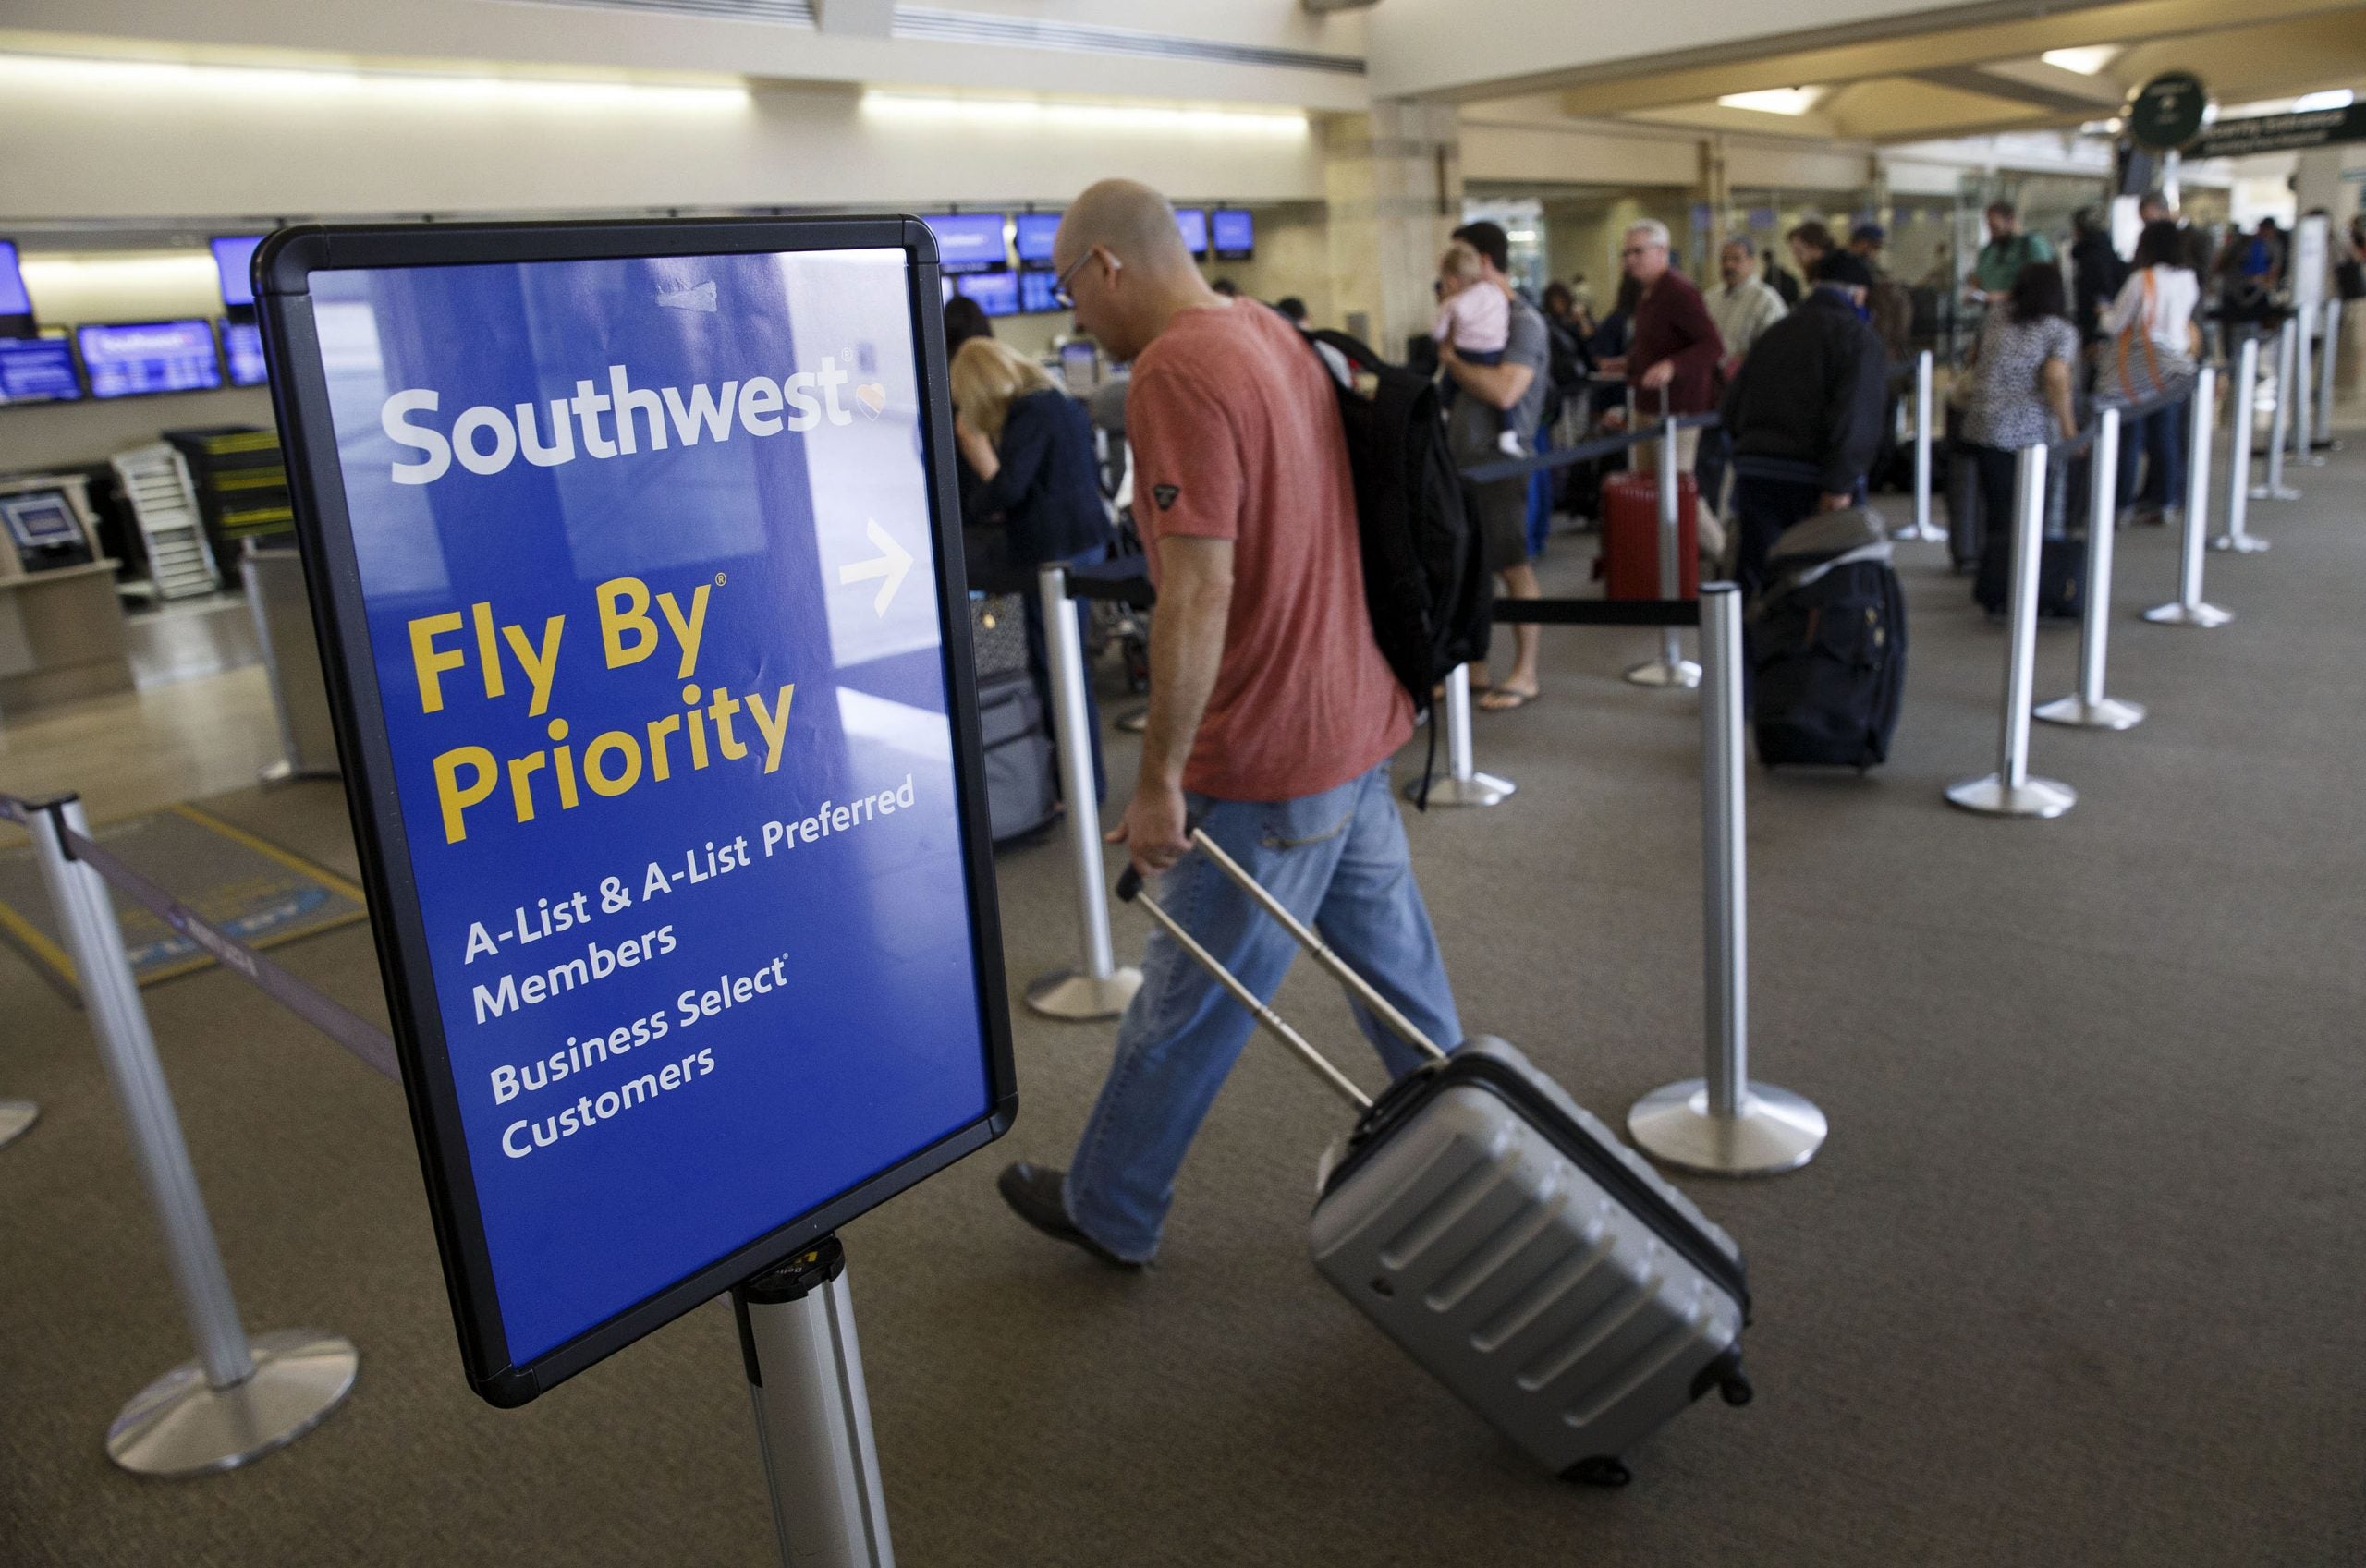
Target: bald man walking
1272,715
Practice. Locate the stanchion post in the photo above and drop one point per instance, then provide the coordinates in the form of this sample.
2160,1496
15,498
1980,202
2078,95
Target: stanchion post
1464,784
2281,424
1923,528
2010,791
2326,355
812,1409
2239,457
240,1398
2189,609
2303,389
1671,668
1099,986
2087,706
1722,1123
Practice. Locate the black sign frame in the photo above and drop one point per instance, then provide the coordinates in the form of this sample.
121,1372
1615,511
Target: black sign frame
282,269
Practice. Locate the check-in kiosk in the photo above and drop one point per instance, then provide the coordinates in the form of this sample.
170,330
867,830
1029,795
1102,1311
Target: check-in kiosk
61,628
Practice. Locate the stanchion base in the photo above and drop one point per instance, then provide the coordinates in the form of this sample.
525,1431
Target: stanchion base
1479,789
1774,1130
1922,533
2240,545
2111,713
179,1425
2038,797
2203,615
2274,493
1684,673
1066,994
16,1117
1134,724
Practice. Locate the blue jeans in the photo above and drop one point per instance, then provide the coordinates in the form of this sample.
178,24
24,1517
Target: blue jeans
1337,860
2159,439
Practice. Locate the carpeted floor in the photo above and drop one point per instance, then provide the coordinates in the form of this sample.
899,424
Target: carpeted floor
2076,1279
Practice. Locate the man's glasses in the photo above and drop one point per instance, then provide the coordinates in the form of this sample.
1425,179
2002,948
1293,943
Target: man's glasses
1060,295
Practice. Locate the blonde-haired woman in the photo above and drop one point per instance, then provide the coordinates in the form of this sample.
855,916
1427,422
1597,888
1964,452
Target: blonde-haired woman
1030,445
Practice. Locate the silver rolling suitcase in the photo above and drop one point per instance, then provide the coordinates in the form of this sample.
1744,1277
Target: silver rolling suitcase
1508,1242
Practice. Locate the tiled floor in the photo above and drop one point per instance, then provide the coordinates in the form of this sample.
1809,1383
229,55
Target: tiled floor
143,750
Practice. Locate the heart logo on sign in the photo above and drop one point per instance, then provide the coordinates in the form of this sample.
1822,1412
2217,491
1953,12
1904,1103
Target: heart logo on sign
872,396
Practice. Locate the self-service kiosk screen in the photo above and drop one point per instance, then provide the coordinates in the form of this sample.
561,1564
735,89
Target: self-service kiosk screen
1036,232
37,369
996,293
1233,233
969,242
666,725
40,520
1193,222
135,359
232,255
242,351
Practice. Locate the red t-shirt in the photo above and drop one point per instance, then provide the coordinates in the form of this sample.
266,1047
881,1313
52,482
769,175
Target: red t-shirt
1236,436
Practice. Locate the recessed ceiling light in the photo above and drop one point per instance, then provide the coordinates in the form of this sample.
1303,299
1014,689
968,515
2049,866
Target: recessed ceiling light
2088,61
2338,98
1776,99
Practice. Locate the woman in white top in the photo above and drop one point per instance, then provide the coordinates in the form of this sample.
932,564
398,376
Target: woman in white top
2150,342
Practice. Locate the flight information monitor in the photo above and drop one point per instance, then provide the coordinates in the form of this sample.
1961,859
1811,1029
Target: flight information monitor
16,305
1232,233
232,255
37,369
996,293
970,242
1036,232
1035,297
133,359
242,352
647,635
1193,222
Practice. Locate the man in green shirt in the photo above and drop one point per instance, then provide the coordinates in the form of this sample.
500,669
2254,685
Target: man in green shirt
2001,259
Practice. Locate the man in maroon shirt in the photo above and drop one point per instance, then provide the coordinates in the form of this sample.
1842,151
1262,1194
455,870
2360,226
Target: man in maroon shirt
1672,360
1272,715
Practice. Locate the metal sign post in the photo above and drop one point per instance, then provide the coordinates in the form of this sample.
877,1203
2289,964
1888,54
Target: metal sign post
2087,706
1671,668
1724,1124
2328,352
1098,987
241,1397
813,1412
2010,791
1464,784
2303,392
2238,461
2189,609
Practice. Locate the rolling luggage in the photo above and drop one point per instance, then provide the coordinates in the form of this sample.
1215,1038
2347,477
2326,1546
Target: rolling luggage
1827,645
1630,536
1023,792
1507,1240
2061,578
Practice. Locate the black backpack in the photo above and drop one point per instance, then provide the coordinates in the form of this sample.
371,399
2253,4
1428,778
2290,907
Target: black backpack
1827,645
1426,569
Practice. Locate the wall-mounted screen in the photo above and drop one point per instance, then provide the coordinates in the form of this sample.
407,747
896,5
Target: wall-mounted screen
129,359
1035,295
996,293
1233,234
231,254
1036,232
242,352
16,305
1193,222
969,242
37,369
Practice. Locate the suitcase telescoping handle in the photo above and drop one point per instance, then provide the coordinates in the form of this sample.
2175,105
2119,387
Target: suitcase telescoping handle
1130,889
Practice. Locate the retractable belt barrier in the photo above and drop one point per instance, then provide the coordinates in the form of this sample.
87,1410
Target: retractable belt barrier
241,1397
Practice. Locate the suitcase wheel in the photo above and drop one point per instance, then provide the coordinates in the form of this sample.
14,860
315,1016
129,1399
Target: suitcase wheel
1735,1388
1602,1470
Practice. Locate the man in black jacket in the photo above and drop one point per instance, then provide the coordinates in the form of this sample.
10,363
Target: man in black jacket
1805,413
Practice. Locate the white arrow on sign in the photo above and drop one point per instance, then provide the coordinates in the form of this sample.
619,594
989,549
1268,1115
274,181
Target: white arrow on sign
892,562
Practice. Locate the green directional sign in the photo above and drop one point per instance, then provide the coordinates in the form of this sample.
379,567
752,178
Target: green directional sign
2168,110
2283,133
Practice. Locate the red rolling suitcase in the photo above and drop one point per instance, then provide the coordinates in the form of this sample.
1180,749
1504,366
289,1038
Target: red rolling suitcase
1630,535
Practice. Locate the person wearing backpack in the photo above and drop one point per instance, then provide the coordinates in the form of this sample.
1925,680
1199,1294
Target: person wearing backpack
1998,265
1273,713
2150,351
